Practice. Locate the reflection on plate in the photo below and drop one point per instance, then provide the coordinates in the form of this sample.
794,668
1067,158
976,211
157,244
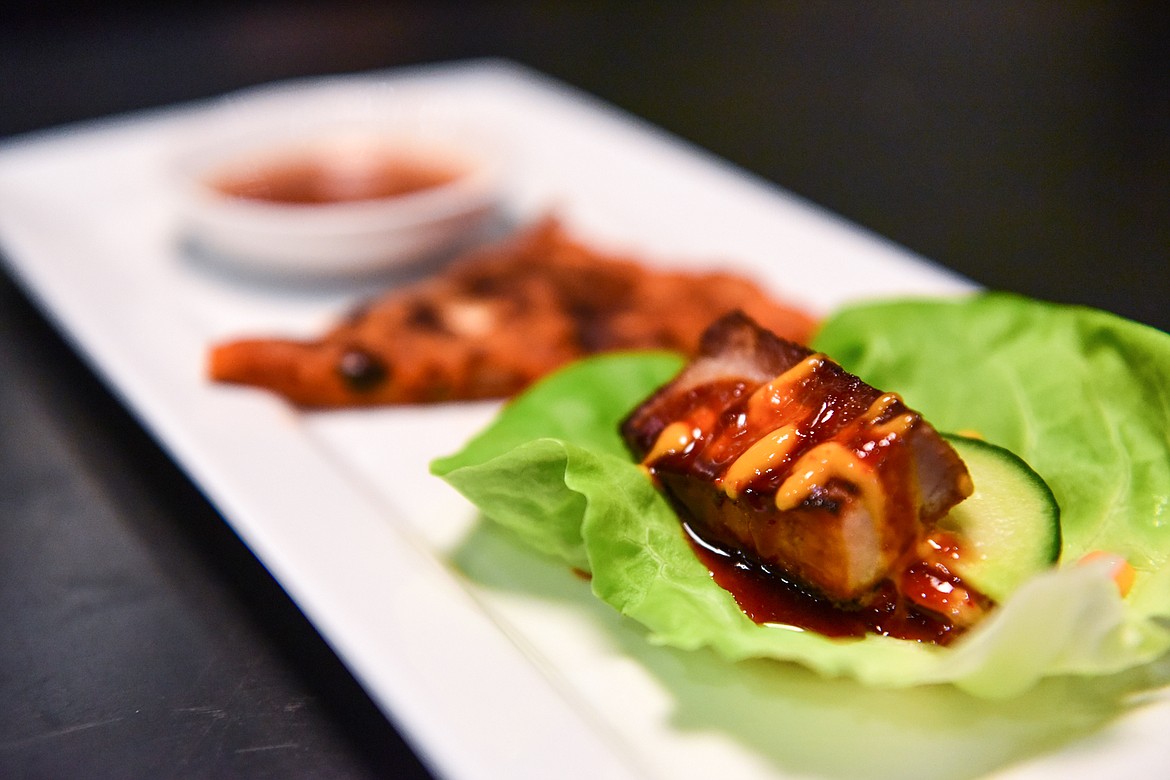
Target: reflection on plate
497,663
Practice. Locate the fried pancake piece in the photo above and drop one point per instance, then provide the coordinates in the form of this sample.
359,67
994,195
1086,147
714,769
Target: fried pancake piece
496,320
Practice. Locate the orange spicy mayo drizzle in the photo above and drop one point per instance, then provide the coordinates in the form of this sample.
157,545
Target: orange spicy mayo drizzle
760,437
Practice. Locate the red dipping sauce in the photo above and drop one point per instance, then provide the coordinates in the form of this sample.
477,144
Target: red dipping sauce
339,172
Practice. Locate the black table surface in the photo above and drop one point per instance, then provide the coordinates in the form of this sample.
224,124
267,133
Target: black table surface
1025,145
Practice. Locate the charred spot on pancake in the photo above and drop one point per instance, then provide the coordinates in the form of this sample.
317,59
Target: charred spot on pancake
593,333
362,371
424,315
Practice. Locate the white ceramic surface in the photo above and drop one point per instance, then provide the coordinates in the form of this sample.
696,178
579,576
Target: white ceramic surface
496,663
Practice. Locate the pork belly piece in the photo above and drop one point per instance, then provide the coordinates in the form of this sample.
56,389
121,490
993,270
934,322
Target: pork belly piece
767,448
498,318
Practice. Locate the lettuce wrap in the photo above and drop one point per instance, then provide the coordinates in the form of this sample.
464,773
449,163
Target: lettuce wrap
1082,395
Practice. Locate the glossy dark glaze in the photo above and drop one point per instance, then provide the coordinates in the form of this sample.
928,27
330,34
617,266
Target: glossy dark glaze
769,597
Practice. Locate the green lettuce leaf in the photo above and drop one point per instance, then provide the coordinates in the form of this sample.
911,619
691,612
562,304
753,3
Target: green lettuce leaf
1082,395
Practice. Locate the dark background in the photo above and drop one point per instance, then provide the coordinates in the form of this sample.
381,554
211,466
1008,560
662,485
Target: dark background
1025,145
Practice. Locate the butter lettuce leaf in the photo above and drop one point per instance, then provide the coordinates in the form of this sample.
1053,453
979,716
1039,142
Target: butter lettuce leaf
1082,395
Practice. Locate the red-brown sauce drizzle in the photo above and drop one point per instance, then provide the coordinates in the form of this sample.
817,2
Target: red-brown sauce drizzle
320,177
767,597
932,583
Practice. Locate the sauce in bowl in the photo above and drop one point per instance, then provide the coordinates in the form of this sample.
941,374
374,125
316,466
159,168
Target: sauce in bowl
336,177
339,173
338,202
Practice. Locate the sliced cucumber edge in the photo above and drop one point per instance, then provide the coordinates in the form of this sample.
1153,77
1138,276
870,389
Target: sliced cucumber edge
1018,508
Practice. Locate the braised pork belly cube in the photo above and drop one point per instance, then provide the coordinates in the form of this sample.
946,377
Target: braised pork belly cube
776,452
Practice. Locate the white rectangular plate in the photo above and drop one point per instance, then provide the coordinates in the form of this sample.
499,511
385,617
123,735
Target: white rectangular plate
497,663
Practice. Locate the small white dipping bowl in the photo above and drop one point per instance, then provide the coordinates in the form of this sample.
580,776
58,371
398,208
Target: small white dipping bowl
312,179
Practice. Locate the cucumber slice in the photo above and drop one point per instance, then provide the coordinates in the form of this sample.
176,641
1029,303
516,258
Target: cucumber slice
1009,526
